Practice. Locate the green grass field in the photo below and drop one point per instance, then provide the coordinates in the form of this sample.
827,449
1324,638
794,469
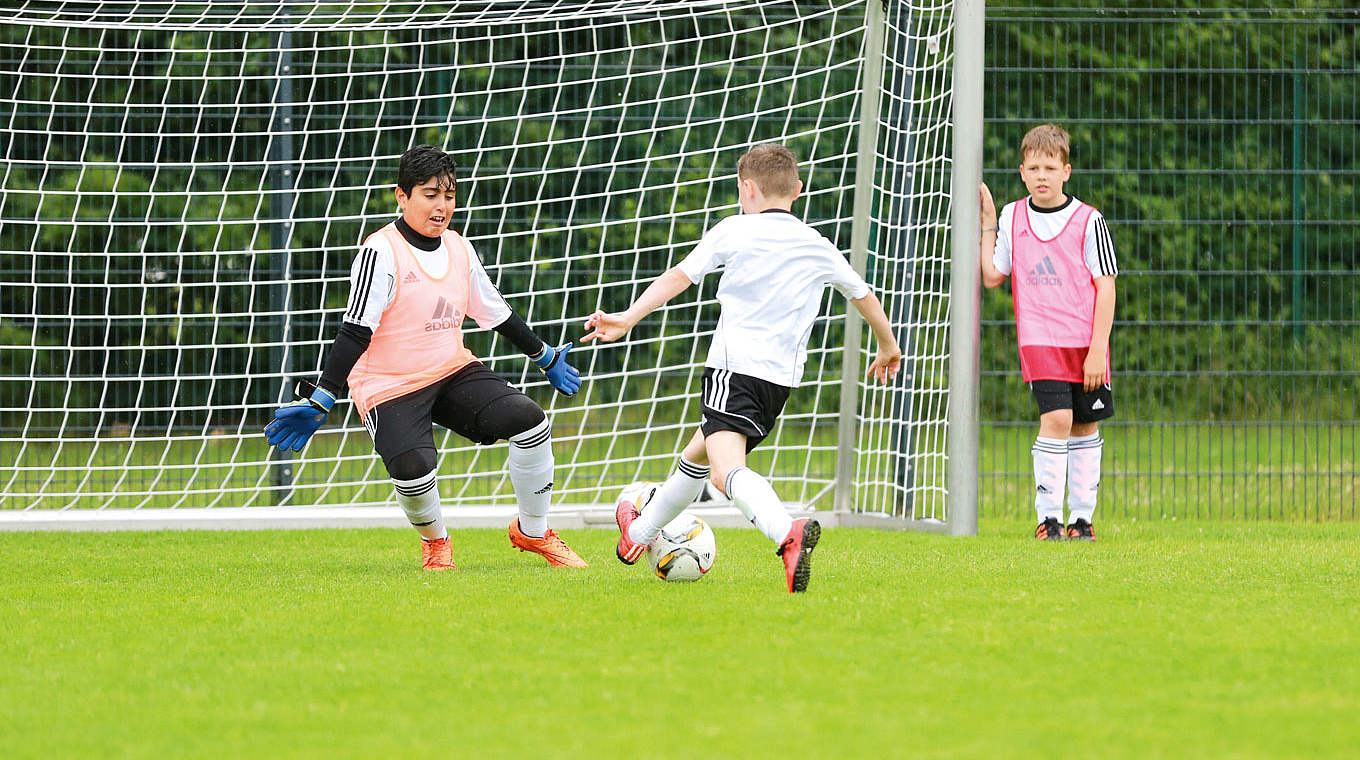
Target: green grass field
1164,639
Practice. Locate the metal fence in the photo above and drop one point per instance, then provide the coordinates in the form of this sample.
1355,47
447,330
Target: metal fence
1222,147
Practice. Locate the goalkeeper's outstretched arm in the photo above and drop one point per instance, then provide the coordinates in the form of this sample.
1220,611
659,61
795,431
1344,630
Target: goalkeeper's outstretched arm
611,327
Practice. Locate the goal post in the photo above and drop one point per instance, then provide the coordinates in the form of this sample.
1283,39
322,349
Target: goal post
182,193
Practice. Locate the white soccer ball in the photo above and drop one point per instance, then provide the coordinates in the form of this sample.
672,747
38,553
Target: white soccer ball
684,551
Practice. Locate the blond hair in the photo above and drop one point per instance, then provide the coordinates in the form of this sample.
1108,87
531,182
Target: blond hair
1047,139
773,168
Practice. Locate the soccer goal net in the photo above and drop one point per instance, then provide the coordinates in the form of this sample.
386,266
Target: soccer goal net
185,186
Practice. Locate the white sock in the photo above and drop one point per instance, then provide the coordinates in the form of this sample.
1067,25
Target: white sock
1083,475
531,472
1050,476
419,499
756,499
678,492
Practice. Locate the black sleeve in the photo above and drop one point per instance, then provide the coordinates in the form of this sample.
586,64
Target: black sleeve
350,343
515,331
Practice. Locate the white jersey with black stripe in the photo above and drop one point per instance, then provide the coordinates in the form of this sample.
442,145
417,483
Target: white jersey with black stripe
373,284
775,268
1097,248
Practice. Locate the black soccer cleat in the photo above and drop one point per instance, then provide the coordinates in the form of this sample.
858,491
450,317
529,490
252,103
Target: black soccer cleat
1049,530
1081,530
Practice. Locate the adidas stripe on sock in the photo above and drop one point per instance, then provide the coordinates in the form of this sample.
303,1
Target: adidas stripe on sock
531,471
1083,475
1050,476
419,499
671,498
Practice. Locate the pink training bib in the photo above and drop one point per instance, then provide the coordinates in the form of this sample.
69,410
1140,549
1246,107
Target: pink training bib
1055,298
419,340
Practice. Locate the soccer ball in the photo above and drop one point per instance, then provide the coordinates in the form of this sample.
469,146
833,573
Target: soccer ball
684,551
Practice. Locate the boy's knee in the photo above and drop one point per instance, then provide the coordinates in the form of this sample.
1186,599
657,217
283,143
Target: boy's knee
718,477
511,416
1056,424
411,465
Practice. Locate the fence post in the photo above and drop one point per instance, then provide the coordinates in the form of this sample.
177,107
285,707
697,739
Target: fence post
1297,211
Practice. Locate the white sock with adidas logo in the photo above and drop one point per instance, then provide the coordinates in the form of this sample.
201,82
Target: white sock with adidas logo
531,471
1083,475
419,499
1050,476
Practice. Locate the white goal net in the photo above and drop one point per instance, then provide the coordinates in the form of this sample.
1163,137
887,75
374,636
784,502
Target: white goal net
183,187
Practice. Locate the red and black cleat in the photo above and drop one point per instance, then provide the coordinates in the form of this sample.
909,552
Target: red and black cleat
796,551
1049,530
1081,530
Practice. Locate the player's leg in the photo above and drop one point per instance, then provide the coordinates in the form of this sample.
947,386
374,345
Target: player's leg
747,489
1084,450
482,407
739,411
679,490
1049,453
756,499
403,437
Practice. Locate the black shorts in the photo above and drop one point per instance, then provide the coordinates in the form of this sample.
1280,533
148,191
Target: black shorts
1051,395
463,402
745,404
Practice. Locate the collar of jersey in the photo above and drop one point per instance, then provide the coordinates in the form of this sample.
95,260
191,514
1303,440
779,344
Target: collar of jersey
1053,210
417,240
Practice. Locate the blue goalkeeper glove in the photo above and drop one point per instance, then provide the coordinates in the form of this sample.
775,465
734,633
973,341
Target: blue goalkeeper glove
553,362
295,423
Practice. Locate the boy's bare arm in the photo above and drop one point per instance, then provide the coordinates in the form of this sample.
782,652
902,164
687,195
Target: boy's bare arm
991,276
1095,370
611,327
888,361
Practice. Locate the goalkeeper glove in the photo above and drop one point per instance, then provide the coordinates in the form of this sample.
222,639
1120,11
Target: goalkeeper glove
295,423
553,362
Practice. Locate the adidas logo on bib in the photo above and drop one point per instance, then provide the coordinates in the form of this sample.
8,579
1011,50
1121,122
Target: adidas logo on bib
410,278
445,317
1043,273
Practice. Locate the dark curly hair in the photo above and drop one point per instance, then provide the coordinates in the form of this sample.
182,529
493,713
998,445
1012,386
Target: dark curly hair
421,163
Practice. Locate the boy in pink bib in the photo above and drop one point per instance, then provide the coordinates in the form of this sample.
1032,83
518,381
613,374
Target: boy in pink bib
1060,258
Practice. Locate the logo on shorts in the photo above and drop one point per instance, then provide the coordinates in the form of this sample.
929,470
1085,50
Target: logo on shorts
445,317
410,278
1043,489
1098,405
1043,273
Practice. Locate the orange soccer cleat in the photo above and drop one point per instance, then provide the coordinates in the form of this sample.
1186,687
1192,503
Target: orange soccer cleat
550,547
437,554
796,551
628,550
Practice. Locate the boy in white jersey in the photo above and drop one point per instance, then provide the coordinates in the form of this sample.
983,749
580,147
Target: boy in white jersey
1058,253
400,350
775,270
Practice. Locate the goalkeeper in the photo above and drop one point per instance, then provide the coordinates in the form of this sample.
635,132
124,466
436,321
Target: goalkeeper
775,270
400,349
